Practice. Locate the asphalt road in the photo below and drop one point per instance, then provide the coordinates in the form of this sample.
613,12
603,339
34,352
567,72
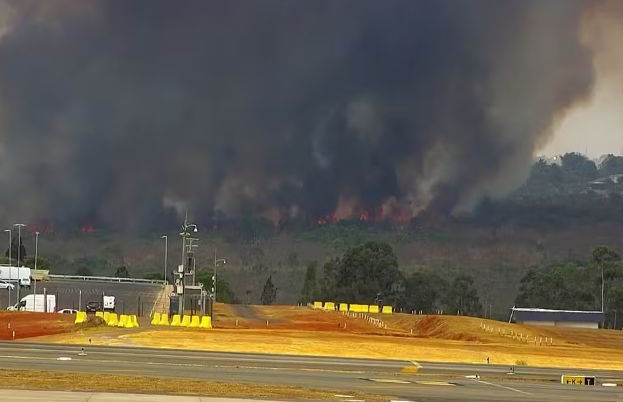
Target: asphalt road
371,376
129,296
9,395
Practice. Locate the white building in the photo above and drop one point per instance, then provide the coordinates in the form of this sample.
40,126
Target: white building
558,318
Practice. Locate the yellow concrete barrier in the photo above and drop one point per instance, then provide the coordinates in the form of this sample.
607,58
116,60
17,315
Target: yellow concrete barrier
112,320
99,314
164,320
358,308
373,309
80,317
129,322
195,321
387,310
176,321
155,319
106,316
343,307
122,320
135,321
206,322
317,304
186,321
329,306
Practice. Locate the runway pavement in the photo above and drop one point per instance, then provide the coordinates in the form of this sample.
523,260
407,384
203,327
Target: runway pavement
396,379
129,296
60,396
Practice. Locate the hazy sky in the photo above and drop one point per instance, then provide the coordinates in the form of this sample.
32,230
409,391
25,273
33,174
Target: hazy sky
597,126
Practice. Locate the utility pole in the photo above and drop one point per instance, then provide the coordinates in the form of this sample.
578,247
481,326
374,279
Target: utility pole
36,258
10,264
214,277
19,250
184,235
166,252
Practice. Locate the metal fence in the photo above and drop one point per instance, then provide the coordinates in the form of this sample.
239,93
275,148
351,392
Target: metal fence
107,279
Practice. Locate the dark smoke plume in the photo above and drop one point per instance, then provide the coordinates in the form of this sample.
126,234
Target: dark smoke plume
119,112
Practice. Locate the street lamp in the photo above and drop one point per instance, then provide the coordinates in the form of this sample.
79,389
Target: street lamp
36,258
166,252
19,241
10,268
36,248
216,262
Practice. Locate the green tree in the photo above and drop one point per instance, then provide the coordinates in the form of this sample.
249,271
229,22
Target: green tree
15,248
361,274
224,294
423,290
122,272
84,271
562,287
607,261
579,167
154,276
308,293
462,297
269,293
96,265
612,165
42,262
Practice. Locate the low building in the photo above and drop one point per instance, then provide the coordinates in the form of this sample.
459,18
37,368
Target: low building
558,318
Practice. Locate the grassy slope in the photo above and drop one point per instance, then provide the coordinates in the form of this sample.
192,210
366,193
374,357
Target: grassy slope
305,331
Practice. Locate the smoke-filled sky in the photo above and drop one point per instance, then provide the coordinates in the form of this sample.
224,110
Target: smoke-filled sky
118,112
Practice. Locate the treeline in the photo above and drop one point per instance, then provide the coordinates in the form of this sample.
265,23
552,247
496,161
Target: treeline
369,274
578,286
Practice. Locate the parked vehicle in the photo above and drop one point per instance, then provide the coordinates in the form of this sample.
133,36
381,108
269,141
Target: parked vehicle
93,306
6,285
36,303
68,311
22,275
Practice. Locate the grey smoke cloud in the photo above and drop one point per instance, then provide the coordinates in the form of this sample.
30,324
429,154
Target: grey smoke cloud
122,112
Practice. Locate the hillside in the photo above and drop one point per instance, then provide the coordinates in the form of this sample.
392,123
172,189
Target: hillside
497,257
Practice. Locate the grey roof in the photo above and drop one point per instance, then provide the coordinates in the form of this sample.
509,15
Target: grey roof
539,314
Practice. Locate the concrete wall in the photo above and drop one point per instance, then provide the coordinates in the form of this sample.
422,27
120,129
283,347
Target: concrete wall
589,325
539,323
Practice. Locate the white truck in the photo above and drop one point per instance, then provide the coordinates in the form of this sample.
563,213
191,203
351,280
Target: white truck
36,303
21,275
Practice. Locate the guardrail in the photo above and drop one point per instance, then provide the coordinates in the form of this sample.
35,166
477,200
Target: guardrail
106,279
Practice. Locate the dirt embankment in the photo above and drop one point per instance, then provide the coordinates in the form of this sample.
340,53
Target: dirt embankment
27,325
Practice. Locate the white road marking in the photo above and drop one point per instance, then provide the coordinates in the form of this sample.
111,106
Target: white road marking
416,364
64,358
504,387
343,396
608,384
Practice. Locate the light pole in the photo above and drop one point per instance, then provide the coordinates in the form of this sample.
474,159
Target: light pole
166,252
216,261
19,251
36,258
184,234
10,268
36,248
19,241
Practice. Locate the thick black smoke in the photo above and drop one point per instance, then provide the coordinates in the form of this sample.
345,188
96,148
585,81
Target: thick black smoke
120,111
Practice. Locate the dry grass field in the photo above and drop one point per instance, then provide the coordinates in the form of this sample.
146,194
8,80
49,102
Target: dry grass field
44,380
304,331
